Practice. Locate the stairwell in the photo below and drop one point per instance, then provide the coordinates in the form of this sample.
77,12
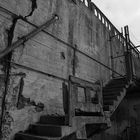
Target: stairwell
56,127
113,94
82,124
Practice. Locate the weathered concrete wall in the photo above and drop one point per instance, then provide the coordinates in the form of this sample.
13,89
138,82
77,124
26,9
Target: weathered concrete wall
118,54
125,122
91,37
77,26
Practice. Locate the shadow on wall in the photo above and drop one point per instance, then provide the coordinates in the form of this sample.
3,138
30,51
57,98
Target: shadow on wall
105,136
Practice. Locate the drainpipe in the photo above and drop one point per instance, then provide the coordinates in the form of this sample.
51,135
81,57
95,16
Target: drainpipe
128,56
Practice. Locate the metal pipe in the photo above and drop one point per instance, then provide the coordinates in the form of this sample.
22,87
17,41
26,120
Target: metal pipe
138,46
27,37
99,62
60,40
37,71
128,58
135,47
111,52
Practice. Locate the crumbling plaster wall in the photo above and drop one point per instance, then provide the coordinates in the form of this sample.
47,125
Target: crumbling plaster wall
77,26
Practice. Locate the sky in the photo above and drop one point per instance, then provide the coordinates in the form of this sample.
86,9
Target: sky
121,13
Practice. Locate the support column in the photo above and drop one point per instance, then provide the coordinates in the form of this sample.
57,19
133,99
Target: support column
128,55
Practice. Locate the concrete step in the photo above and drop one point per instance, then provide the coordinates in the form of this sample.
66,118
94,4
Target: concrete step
110,97
110,93
45,130
112,89
26,136
106,108
120,80
55,120
115,85
83,113
108,102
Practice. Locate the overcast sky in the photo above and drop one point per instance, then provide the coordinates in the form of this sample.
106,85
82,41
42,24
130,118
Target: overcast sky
121,13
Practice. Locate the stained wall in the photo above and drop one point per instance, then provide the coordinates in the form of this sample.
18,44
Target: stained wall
49,58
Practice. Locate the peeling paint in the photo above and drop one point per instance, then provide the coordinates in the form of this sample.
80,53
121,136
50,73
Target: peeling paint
27,102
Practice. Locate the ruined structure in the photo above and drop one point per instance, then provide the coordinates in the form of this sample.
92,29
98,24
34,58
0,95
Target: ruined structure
65,71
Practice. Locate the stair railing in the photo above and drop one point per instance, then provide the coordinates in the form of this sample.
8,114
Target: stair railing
130,53
115,33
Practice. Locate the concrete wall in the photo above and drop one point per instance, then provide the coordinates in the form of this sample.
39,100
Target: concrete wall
125,122
78,26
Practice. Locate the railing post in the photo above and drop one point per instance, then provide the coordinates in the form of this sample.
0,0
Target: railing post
89,3
111,55
128,55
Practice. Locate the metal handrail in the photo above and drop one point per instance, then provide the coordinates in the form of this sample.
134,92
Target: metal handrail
109,25
24,19
14,15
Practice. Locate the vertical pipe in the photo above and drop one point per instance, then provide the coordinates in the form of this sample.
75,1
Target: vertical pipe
74,60
6,80
128,55
111,55
89,3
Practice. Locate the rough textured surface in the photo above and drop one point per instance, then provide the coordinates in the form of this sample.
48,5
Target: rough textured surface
77,26
19,7
125,122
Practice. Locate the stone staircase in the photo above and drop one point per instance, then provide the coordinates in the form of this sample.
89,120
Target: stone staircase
48,128
113,94
55,128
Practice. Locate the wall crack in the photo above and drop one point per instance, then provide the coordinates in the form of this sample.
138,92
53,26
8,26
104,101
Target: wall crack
34,6
10,32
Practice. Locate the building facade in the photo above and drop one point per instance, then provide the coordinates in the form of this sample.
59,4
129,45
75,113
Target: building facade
65,68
